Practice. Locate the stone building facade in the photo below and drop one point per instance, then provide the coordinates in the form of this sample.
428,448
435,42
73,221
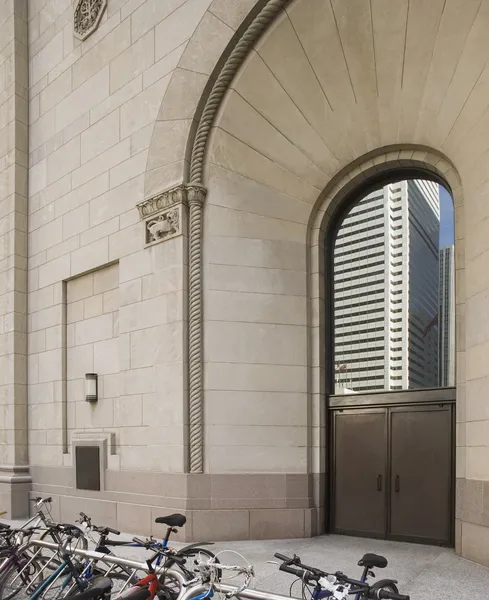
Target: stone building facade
168,169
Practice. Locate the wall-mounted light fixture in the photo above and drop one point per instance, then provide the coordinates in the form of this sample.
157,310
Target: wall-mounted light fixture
91,387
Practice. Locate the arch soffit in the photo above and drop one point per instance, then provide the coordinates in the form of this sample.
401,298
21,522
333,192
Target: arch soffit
357,175
198,65
373,165
197,98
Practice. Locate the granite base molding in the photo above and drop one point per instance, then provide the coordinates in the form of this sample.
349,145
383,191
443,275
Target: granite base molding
15,485
472,502
218,506
472,520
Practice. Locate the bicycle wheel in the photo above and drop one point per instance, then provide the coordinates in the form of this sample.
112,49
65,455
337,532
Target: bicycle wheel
61,586
121,581
25,575
385,584
196,555
169,588
46,555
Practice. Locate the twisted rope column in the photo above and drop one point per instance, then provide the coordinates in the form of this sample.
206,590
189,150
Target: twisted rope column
195,197
195,341
223,81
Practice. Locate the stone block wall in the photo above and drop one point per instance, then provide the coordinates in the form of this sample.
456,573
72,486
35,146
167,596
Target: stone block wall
14,477
92,339
89,129
99,300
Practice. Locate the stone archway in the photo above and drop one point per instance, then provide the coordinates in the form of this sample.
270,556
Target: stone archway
328,85
374,167
292,121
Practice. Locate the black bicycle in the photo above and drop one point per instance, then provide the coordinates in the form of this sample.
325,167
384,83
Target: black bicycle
320,584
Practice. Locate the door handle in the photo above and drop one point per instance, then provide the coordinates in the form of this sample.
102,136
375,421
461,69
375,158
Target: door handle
397,484
379,483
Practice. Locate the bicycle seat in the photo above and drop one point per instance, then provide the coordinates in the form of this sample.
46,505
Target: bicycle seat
100,587
176,520
373,560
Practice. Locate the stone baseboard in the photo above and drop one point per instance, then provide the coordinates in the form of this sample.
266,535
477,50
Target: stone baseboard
15,485
472,522
218,506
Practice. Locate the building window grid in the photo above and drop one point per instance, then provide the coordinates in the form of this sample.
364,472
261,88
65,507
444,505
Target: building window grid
369,283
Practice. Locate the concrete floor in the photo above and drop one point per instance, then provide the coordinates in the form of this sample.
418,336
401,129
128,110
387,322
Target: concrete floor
423,572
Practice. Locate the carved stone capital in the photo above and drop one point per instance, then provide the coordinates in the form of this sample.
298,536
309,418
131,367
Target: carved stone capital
180,194
165,215
196,194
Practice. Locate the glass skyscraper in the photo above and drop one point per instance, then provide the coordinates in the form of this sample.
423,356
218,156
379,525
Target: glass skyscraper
386,284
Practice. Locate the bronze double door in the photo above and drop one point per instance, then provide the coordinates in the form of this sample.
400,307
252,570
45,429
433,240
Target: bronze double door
393,473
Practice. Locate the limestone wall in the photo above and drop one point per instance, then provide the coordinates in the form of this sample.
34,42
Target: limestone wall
99,300
332,92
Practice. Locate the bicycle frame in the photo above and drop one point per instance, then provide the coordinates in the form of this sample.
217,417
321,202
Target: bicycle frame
201,591
112,560
13,559
319,594
47,582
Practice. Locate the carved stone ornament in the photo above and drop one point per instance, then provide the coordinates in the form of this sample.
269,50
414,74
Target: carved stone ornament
180,194
165,215
87,17
164,225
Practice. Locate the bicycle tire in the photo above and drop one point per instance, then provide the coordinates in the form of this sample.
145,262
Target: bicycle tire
385,584
192,552
170,590
81,544
119,580
26,580
60,586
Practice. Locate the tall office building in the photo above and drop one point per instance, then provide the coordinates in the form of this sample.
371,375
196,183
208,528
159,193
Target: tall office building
386,279
446,333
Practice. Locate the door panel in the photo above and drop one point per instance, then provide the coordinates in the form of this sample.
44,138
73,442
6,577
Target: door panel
360,472
421,473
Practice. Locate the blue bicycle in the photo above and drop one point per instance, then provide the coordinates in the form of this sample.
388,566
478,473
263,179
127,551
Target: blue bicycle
164,554
338,585
68,574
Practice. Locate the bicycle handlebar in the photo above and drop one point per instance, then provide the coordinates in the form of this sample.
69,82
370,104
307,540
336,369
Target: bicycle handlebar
102,529
40,500
145,543
300,573
282,557
295,567
106,530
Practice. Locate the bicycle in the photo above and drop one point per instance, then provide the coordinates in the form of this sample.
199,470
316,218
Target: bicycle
68,574
209,581
150,586
146,588
337,585
43,521
368,562
117,573
19,569
163,550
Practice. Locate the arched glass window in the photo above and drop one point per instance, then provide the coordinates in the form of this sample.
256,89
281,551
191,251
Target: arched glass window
394,291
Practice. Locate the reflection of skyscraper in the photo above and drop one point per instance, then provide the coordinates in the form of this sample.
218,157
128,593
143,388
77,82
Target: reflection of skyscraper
446,333
386,290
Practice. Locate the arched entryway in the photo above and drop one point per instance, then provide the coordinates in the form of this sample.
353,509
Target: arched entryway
331,95
293,138
391,372
366,175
